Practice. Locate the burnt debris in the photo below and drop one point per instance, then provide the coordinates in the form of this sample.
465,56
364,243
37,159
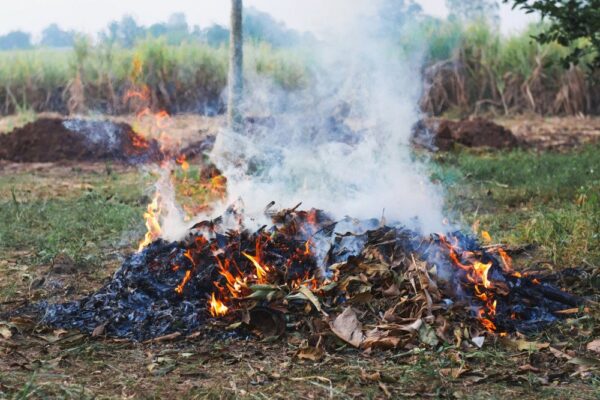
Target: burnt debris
395,278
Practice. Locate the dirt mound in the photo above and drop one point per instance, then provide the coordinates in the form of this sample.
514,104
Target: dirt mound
477,132
53,139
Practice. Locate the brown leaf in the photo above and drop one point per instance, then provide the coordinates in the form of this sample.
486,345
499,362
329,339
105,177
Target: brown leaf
594,346
455,373
559,354
380,339
392,291
310,353
99,330
347,327
524,345
528,368
370,377
5,332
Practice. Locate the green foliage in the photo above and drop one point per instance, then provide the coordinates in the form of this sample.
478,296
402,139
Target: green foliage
551,200
190,73
573,23
15,40
53,36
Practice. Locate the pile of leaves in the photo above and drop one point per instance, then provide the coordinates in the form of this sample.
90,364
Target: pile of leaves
383,287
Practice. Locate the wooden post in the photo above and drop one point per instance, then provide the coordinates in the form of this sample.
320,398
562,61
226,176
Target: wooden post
236,63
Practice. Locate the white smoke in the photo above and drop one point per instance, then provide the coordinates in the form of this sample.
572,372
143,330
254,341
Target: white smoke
343,143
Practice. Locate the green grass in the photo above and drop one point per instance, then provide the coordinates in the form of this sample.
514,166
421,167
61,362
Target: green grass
83,222
551,200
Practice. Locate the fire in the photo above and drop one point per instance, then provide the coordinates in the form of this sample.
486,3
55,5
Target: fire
478,274
486,237
217,308
183,162
151,217
261,270
186,278
480,271
506,260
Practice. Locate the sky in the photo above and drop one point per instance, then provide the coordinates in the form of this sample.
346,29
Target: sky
91,16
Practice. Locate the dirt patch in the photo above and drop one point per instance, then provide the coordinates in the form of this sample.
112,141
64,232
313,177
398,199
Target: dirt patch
54,139
554,133
477,132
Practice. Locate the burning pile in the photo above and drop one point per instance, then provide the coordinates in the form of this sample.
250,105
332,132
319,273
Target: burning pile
369,284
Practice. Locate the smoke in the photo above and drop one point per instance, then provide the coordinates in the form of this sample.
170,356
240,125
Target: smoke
342,144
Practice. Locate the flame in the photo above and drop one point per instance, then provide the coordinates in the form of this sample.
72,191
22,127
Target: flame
216,307
486,236
186,278
151,216
478,274
261,270
506,260
181,160
480,271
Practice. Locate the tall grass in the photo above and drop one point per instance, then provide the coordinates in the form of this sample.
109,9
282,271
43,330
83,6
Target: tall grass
186,77
473,69
468,69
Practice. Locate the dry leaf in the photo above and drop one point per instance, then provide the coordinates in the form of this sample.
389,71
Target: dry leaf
594,346
380,339
370,377
392,291
528,368
347,327
559,354
99,330
5,332
427,335
455,373
524,345
310,296
310,353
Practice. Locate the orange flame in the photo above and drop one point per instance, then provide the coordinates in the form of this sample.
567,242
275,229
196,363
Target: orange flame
506,260
152,222
217,308
486,236
186,278
261,271
183,162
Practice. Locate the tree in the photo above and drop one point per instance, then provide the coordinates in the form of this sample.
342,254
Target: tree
574,23
15,40
475,10
124,32
262,27
158,29
53,36
216,35
236,62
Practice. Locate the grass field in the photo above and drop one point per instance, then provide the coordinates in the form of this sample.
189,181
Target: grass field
91,215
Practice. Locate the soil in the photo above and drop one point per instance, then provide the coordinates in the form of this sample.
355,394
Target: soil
55,139
476,132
